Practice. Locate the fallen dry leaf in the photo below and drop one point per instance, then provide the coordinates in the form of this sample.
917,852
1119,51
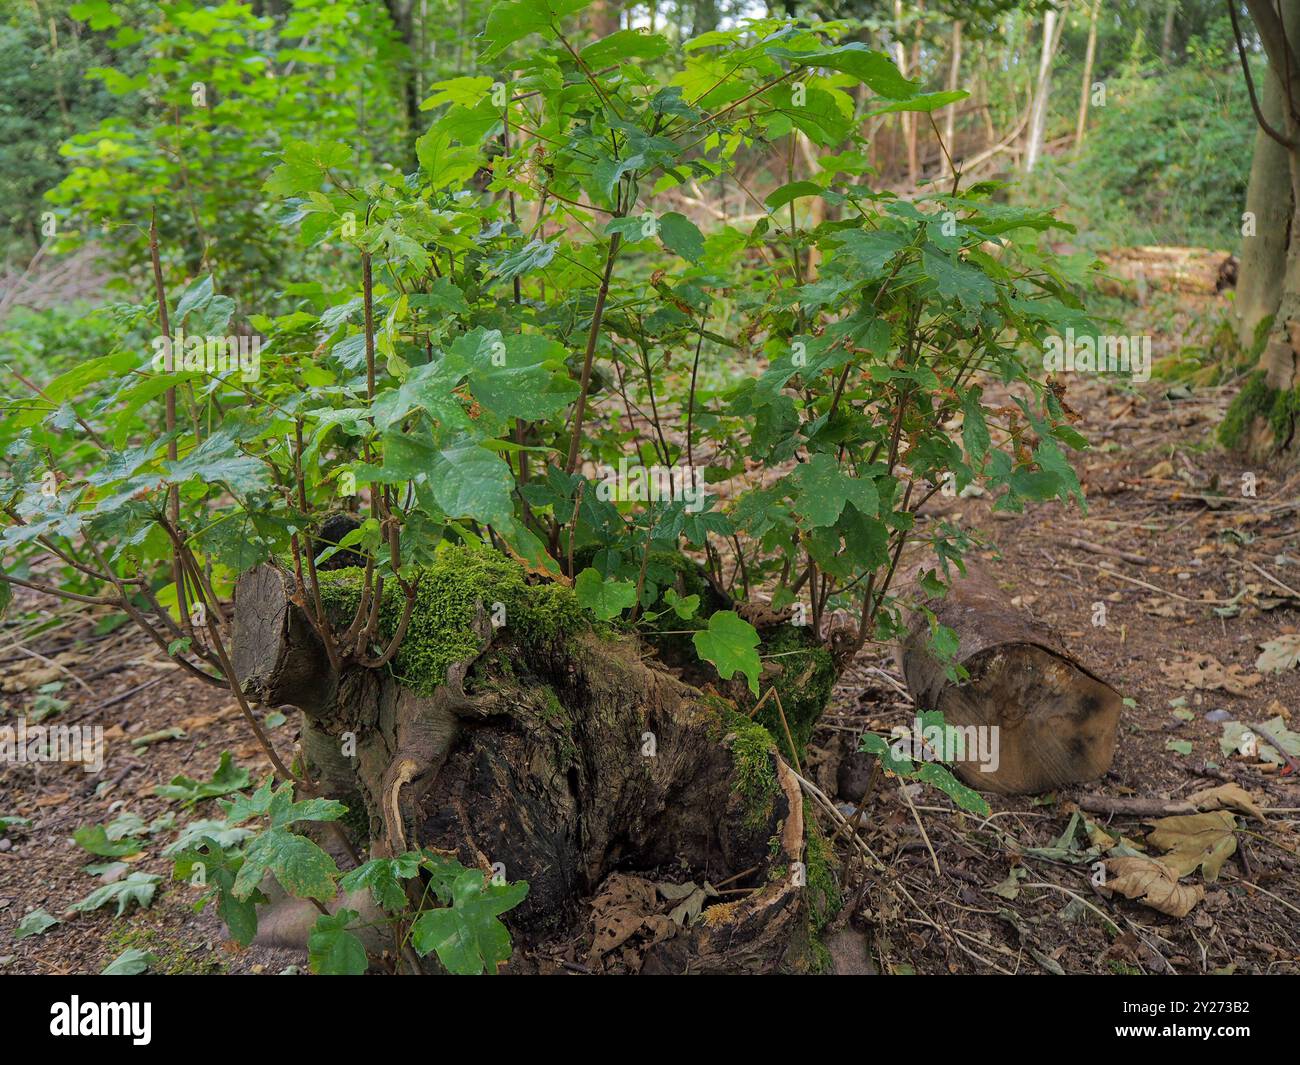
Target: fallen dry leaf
1196,841
1153,884
1277,656
1226,797
1207,673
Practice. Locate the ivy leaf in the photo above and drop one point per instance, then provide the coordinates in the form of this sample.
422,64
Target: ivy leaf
730,643
604,598
334,951
681,236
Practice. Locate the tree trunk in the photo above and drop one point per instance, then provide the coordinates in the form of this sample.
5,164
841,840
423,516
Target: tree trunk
1038,112
565,757
1085,93
1264,417
950,119
1167,32
1051,721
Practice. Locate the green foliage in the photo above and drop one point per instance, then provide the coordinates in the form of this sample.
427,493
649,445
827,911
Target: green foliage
227,777
1156,163
928,771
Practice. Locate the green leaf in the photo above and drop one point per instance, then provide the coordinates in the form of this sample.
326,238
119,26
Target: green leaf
131,962
823,488
872,68
138,888
958,280
730,643
606,598
36,923
930,101
466,936
940,777
95,839
301,867
383,877
471,482
680,236
513,20
794,191
227,778
334,951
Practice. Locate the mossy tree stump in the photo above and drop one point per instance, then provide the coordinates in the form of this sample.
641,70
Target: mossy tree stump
542,745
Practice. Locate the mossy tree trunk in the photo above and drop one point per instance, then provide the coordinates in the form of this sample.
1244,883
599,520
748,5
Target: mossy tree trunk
563,755
1263,419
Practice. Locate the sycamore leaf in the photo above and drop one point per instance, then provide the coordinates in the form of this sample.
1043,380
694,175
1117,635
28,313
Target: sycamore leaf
1153,884
730,643
1193,841
138,888
131,962
227,778
681,236
1279,655
466,936
36,923
301,867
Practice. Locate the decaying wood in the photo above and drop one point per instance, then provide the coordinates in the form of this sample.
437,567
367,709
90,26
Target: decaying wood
1055,720
563,767
1199,271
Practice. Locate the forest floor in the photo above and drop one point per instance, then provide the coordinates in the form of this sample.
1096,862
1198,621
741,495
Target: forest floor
1012,893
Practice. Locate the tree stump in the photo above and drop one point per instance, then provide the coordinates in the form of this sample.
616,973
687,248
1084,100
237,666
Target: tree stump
542,746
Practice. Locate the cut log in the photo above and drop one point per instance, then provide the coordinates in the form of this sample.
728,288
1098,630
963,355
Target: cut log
564,757
1196,271
1052,720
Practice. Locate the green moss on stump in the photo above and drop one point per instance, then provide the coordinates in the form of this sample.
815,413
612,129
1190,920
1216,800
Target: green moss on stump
441,629
803,680
755,777
1279,408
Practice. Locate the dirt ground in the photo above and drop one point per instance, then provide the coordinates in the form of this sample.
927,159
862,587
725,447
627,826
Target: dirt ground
1218,576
